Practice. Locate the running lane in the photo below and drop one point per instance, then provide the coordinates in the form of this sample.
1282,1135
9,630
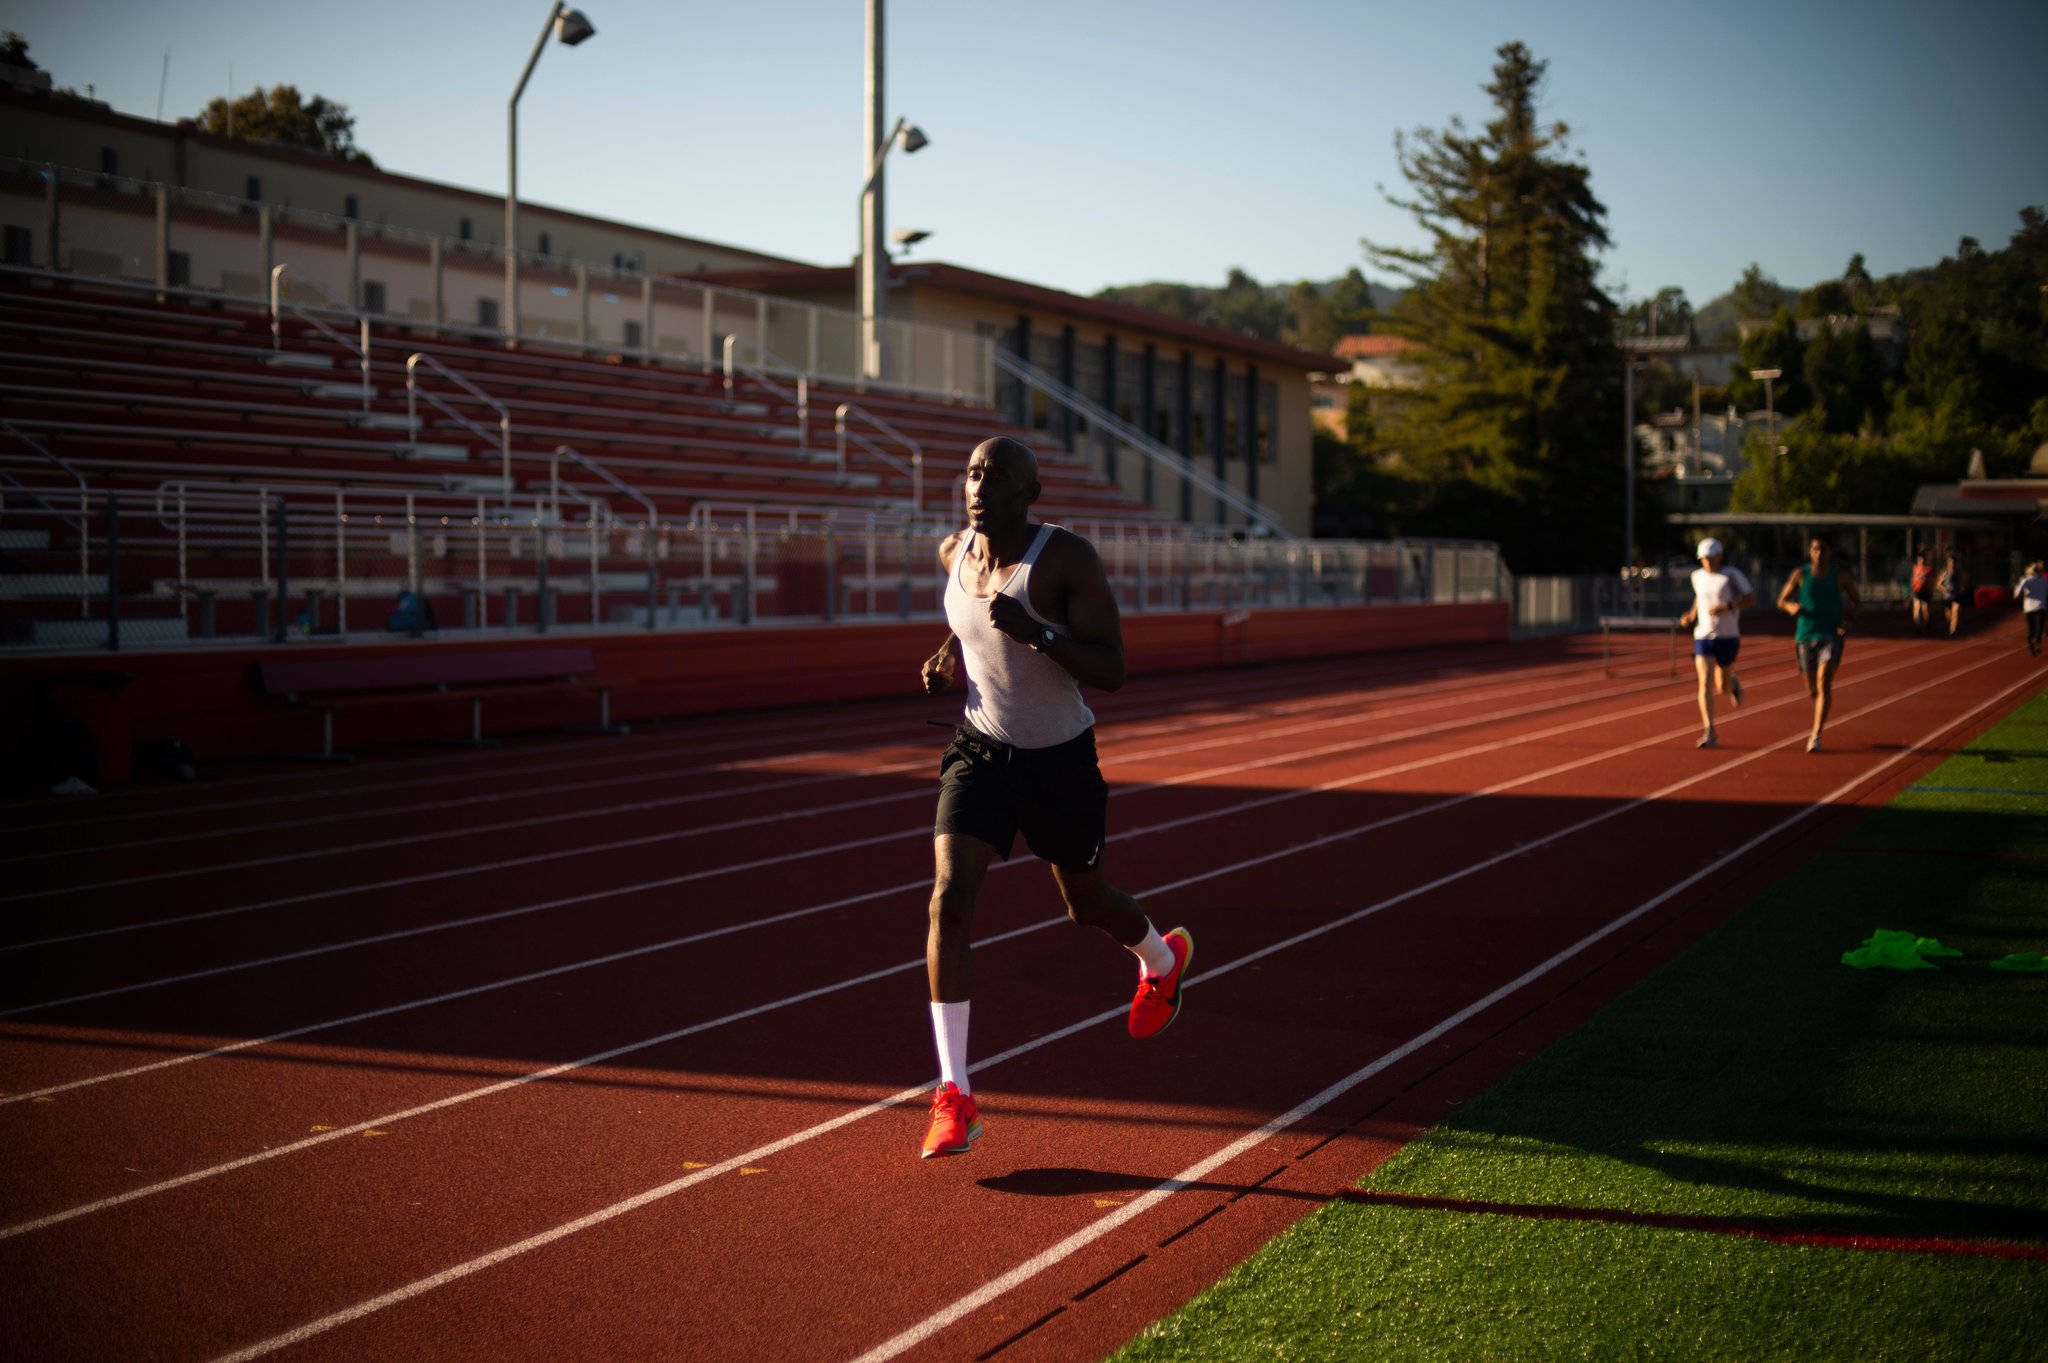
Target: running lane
1400,881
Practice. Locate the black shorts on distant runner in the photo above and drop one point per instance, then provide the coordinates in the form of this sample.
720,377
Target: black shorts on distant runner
1055,797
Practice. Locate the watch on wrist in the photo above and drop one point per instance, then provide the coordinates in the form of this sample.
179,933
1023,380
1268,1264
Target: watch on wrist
1044,639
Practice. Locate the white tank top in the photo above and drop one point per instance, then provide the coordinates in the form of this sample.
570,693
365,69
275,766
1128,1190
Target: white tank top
1015,694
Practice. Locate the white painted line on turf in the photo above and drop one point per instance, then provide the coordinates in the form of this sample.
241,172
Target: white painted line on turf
965,1305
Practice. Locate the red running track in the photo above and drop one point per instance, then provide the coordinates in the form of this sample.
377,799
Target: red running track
618,1048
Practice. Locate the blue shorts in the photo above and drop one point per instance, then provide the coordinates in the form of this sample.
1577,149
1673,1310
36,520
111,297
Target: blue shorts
1722,651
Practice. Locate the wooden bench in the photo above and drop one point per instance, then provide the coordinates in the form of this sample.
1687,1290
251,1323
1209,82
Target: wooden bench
477,675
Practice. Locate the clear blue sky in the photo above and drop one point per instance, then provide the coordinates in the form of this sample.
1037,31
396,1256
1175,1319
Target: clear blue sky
1114,141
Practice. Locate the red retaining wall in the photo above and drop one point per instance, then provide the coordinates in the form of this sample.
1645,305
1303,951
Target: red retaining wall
210,699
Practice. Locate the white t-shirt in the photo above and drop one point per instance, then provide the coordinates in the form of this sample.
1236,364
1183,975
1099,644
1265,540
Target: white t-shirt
1724,588
2033,593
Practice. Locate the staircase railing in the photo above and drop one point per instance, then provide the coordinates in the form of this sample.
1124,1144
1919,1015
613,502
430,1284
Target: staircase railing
915,469
361,346
413,392
82,526
1258,514
801,398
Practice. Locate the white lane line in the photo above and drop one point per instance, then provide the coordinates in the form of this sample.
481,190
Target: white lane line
333,850
917,830
1117,762
452,1100
973,1301
965,1305
906,887
652,748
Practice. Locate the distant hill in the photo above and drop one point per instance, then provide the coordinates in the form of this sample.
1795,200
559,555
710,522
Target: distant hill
1307,313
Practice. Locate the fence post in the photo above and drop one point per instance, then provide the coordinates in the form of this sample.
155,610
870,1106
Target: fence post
284,571
653,582
113,572
540,558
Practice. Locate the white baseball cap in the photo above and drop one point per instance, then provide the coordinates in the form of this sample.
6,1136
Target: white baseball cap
1709,548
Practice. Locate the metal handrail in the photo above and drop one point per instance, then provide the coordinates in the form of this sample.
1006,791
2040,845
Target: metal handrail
801,397
916,469
1257,512
277,304
83,525
555,478
412,390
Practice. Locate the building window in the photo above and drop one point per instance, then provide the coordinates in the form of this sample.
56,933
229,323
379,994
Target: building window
487,313
373,296
20,246
462,229
633,341
178,267
348,208
252,188
544,245
110,164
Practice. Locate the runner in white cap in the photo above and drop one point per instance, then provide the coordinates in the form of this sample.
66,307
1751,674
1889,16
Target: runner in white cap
1718,596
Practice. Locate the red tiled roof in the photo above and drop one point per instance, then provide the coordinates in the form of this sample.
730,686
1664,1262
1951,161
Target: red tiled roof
1363,347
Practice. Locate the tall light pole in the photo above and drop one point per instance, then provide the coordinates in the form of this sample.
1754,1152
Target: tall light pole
1770,424
570,27
874,257
1631,348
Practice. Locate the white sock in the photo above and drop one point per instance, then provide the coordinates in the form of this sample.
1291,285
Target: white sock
949,1030
1153,954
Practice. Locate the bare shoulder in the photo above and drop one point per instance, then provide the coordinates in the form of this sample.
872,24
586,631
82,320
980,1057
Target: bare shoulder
949,548
1070,557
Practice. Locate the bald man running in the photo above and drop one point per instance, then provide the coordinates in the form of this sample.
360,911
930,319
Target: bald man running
1033,618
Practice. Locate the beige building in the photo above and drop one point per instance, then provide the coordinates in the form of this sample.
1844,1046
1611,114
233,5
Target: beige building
1201,422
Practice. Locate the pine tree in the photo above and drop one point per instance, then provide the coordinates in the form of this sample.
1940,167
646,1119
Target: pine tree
1512,434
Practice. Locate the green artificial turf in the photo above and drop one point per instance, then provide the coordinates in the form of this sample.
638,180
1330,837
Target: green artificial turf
1758,1078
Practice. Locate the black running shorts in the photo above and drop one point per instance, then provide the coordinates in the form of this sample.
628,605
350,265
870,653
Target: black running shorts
1055,797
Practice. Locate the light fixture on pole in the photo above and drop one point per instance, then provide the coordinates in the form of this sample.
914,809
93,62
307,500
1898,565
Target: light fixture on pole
907,237
874,260
570,27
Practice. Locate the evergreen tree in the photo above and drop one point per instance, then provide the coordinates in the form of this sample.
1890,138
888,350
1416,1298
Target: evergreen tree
1511,435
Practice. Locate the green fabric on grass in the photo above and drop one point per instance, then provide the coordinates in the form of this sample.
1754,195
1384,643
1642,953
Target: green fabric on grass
1888,949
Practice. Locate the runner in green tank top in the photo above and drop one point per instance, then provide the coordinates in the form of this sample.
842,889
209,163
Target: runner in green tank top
1820,597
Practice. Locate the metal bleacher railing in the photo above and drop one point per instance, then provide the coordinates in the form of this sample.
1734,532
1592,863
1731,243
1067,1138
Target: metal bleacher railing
280,558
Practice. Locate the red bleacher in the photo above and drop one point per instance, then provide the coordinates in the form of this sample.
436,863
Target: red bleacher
135,393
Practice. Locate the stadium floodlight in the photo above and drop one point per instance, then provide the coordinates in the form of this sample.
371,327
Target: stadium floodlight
873,262
570,27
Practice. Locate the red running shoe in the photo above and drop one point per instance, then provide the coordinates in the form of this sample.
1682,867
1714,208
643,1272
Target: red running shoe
956,1121
1158,999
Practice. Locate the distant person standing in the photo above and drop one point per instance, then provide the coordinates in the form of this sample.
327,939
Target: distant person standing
1718,596
1950,587
1815,596
2033,594
1923,592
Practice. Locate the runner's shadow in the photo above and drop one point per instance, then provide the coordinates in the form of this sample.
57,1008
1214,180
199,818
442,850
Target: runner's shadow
1065,1182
